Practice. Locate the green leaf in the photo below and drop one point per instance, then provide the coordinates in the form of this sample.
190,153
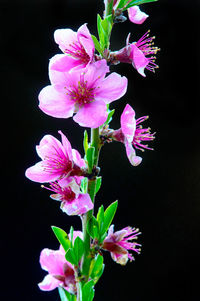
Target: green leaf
88,291
90,157
97,45
98,268
84,185
107,27
109,215
122,3
71,257
110,114
98,184
62,237
78,248
71,234
93,227
65,295
138,2
100,218
109,7
85,141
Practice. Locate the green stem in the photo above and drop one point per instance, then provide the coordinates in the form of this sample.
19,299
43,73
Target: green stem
95,142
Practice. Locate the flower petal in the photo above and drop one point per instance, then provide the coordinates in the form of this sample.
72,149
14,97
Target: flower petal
96,72
49,146
112,88
55,104
49,283
66,146
78,206
77,158
128,122
37,173
134,160
52,261
62,63
65,37
92,115
84,37
136,15
139,60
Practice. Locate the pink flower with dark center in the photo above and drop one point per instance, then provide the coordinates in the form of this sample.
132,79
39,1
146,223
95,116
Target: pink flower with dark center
85,92
136,15
78,48
118,243
73,202
60,271
132,134
58,160
140,54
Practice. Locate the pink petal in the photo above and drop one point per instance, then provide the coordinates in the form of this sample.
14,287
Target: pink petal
55,104
134,160
128,122
78,206
136,15
92,115
65,37
96,72
120,258
112,87
37,173
139,60
77,159
52,261
63,63
66,146
84,37
49,146
49,283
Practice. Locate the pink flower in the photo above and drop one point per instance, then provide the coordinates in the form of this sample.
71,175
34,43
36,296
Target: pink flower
118,243
132,134
136,15
84,92
68,192
58,160
78,49
137,54
60,271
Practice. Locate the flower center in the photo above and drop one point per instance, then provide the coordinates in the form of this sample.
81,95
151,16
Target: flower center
81,94
145,44
57,162
77,51
142,135
66,194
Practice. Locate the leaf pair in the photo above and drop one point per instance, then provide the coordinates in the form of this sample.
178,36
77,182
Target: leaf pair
98,227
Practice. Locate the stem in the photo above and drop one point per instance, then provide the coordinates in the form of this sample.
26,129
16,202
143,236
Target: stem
95,142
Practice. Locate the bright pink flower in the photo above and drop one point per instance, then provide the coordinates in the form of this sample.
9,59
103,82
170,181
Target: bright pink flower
60,271
68,192
78,49
118,243
58,160
136,15
137,54
132,134
84,92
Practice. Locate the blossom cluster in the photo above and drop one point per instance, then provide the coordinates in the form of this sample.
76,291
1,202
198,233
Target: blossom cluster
82,87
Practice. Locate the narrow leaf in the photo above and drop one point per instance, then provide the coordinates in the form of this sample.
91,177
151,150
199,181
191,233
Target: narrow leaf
84,185
78,248
62,237
65,295
110,114
88,291
90,157
97,269
85,141
71,257
122,3
100,218
109,215
138,2
93,228
98,184
97,45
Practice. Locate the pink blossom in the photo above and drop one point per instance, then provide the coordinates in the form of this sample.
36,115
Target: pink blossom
84,92
60,271
139,54
118,243
132,134
78,49
136,15
73,202
58,160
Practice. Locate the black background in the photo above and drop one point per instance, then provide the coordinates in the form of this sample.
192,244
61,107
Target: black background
161,196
